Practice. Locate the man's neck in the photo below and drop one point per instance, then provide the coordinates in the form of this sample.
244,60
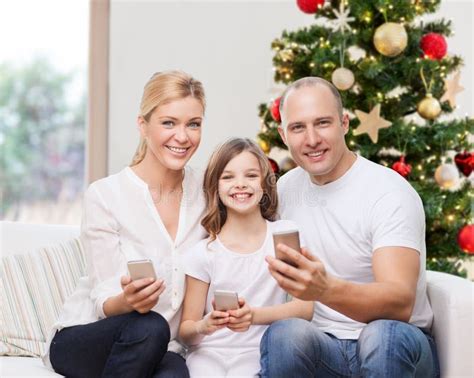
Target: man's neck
343,165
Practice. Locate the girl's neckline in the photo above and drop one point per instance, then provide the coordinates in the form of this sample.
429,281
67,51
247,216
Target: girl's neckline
244,254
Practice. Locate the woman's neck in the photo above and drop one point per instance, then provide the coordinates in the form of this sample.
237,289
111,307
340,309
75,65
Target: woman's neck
158,177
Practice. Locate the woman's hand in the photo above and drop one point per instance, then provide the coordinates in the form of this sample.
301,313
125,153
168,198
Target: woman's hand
241,319
141,295
212,322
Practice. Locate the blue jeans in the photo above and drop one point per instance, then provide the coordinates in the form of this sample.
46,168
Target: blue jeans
385,348
125,346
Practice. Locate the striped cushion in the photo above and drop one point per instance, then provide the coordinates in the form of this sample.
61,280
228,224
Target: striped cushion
33,288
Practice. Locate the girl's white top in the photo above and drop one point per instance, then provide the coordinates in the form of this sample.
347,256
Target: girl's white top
245,273
120,223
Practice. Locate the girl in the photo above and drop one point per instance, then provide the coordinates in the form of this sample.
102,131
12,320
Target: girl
241,199
113,326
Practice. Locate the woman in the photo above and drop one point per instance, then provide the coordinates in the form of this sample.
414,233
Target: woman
112,326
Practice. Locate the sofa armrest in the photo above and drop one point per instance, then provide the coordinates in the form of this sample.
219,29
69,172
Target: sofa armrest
452,301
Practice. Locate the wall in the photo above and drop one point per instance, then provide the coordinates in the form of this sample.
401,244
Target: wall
225,44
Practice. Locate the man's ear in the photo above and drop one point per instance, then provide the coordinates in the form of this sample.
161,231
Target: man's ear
345,123
281,131
142,126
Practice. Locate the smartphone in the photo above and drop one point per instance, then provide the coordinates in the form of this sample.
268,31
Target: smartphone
141,269
289,238
226,300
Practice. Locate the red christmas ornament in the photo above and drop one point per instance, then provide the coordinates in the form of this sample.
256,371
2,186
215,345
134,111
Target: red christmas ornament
466,239
310,6
465,162
274,165
434,46
401,167
275,110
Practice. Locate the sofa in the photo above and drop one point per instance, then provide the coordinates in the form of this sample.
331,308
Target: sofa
451,297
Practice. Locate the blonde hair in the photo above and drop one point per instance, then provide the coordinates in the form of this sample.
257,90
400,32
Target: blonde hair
162,88
216,214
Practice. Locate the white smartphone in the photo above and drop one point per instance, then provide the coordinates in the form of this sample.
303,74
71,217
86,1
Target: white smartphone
289,238
226,300
141,269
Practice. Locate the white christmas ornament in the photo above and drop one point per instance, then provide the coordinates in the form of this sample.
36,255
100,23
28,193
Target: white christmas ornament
447,175
342,18
342,78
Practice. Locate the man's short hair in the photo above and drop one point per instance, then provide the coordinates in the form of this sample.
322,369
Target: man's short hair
312,81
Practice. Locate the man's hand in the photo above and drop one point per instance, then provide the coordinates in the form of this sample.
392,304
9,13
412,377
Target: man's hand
307,281
241,319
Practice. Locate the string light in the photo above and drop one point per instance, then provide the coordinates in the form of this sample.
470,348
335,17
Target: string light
450,217
367,16
312,64
420,167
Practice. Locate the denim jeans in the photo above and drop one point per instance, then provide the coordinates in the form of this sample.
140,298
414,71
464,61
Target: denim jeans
129,345
385,348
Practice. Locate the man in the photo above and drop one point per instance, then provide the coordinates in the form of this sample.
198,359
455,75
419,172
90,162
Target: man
365,262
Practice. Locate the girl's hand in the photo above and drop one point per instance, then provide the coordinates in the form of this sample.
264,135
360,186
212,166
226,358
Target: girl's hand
212,322
241,319
141,295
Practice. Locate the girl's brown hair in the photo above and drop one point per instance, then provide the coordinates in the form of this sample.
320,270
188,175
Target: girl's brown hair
216,214
162,88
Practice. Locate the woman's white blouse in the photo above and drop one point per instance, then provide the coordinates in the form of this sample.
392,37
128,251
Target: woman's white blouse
121,223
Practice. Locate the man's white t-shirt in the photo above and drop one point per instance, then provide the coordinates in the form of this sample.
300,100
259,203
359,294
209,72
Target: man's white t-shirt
245,273
345,221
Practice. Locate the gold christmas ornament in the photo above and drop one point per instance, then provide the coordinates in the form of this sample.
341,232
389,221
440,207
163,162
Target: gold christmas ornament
452,88
429,107
447,176
264,145
371,123
390,39
342,78
287,164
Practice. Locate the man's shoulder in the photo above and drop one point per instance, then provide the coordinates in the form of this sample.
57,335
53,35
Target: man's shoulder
390,195
292,178
380,181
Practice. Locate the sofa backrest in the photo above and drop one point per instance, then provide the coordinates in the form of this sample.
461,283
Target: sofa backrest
18,238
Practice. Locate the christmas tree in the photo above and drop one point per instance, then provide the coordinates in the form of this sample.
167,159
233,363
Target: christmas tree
396,79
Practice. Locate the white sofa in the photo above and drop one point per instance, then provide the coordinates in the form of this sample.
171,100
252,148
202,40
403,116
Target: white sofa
452,300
